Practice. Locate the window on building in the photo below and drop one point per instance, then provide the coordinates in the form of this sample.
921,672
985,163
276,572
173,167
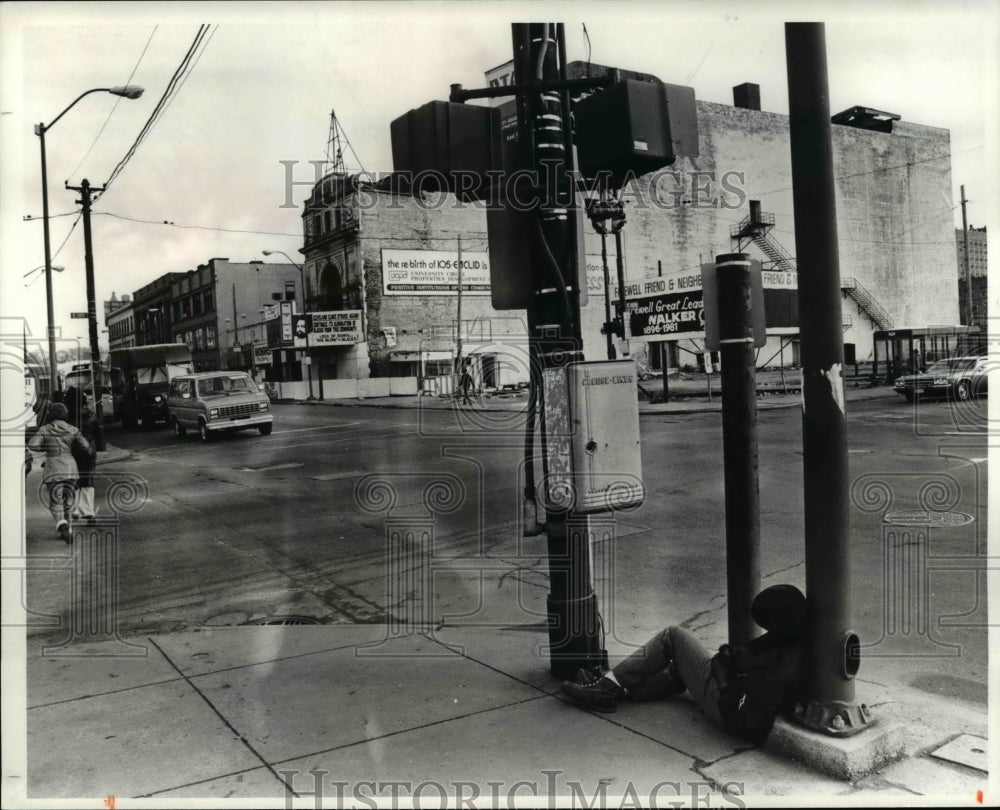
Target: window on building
333,287
196,304
207,296
186,308
210,336
437,368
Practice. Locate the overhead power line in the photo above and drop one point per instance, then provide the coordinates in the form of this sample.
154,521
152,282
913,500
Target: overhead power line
173,86
117,102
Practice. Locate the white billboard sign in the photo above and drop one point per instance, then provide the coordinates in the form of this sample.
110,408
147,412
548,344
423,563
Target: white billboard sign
335,328
434,272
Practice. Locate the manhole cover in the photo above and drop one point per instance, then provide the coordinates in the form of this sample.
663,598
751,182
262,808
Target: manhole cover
285,620
933,519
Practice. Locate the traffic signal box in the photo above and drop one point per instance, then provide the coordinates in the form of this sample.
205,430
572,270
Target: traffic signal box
633,128
448,147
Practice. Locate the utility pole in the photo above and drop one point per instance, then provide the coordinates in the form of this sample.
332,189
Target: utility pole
833,652
968,271
86,190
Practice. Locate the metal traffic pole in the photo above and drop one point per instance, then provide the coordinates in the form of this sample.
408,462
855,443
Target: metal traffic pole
554,323
833,648
739,442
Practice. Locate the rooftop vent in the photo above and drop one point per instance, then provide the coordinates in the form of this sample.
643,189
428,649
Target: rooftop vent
866,118
747,96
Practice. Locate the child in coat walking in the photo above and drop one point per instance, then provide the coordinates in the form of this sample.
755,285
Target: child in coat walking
59,440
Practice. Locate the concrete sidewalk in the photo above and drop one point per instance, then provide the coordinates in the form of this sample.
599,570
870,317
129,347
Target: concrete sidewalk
241,712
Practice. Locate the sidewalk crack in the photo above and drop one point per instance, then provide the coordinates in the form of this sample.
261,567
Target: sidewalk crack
242,738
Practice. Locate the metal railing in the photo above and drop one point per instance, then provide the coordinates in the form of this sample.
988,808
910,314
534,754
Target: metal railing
866,303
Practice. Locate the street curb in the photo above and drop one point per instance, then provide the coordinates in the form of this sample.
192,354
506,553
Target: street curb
112,454
677,406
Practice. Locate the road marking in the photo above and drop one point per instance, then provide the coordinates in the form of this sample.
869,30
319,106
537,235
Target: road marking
320,427
272,467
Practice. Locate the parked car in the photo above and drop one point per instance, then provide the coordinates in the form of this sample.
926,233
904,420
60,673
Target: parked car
213,401
959,377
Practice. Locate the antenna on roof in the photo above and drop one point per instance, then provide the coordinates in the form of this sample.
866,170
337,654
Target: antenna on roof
334,153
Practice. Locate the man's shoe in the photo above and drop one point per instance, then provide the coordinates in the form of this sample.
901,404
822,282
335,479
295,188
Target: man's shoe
65,533
601,695
585,675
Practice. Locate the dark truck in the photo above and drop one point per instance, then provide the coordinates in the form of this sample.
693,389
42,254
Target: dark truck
146,372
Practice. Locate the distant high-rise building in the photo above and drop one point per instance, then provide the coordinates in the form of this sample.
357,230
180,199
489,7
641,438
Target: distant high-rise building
977,270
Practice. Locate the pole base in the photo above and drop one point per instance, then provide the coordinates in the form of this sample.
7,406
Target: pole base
574,636
834,718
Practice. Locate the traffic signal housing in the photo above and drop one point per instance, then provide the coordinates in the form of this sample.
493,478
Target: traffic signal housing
633,128
444,146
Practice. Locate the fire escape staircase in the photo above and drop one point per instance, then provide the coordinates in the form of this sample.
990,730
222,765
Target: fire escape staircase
756,228
866,302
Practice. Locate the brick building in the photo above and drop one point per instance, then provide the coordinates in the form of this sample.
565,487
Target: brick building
221,310
371,249
977,272
118,317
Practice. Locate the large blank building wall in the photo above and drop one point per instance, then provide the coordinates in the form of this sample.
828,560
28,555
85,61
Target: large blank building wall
894,210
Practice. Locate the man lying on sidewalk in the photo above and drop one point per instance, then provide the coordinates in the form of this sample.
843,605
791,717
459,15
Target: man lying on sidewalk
741,689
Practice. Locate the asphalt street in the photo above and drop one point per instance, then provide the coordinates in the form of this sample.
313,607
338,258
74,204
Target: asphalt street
250,528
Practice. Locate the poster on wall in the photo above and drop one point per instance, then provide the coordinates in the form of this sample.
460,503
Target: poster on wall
287,333
335,328
434,272
261,354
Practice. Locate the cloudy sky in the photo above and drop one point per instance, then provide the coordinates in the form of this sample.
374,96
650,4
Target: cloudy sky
210,179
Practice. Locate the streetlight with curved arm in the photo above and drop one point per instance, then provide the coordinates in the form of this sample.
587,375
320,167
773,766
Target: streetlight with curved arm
129,91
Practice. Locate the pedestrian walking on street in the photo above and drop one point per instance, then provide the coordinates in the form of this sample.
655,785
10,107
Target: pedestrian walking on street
465,382
740,688
59,440
82,417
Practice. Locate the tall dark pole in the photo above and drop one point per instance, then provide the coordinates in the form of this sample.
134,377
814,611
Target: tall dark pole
554,324
739,442
664,352
95,350
607,296
833,654
617,226
49,309
968,272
